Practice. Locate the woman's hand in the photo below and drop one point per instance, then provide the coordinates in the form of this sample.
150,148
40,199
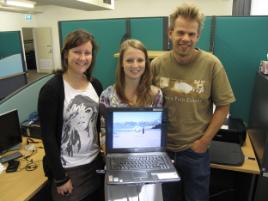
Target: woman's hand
65,189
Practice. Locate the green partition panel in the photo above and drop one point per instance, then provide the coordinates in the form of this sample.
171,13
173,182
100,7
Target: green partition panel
204,41
10,43
108,34
24,100
11,53
240,43
151,31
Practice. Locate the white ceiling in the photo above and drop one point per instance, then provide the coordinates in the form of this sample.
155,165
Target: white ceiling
85,5
88,5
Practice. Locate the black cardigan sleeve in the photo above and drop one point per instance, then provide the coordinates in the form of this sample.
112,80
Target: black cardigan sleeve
49,113
97,85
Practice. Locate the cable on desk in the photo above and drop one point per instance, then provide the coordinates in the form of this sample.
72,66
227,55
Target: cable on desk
221,192
30,155
30,163
31,140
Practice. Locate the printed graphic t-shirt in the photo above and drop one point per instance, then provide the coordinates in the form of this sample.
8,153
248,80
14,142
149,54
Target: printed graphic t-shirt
189,93
79,144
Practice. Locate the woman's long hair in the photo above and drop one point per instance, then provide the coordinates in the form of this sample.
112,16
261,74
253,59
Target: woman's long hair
144,93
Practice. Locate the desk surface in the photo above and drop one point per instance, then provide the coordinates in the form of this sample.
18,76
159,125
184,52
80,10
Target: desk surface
23,185
250,164
151,54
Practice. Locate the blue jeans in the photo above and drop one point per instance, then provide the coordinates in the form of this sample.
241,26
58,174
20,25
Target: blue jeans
194,171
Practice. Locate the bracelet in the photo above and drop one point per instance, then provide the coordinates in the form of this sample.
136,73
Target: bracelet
61,182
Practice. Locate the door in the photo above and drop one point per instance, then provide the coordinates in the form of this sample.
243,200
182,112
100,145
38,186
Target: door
43,49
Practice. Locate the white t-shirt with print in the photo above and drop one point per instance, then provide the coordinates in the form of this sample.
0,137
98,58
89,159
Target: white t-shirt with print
79,142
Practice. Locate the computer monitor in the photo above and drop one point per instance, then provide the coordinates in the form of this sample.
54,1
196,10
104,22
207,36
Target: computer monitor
10,131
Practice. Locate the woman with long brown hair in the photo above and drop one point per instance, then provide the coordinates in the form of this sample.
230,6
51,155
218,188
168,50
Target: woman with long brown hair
133,86
68,108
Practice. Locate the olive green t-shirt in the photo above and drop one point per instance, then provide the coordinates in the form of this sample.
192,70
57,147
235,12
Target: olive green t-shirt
189,93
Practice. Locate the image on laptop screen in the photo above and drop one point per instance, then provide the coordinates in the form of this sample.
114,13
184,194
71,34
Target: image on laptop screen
136,129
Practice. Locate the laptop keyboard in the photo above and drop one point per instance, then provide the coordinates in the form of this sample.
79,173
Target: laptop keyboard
138,162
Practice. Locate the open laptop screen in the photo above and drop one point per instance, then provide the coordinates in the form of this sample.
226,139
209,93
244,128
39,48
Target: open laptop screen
135,130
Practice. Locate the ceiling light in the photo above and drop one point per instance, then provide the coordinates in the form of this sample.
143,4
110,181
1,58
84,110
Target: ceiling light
20,3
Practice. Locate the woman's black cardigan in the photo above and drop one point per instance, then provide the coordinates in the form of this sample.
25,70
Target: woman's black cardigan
50,110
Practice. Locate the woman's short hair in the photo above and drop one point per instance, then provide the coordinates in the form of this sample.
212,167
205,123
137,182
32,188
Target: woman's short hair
75,39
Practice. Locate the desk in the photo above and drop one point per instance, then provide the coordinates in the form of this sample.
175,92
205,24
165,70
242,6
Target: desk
23,185
243,183
250,164
151,54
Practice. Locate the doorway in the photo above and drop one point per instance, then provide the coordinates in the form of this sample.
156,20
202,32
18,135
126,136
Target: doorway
38,51
28,42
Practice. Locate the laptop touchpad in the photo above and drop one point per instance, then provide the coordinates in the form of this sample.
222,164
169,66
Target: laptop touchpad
139,174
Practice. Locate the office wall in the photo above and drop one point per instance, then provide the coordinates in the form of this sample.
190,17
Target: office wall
15,21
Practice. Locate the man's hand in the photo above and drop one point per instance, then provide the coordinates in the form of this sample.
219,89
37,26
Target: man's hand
200,146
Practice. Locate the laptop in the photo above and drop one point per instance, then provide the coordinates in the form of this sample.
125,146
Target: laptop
135,147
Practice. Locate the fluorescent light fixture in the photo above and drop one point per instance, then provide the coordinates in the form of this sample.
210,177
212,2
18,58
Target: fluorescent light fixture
20,3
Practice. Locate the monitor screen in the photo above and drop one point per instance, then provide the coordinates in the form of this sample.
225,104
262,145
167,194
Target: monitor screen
130,129
136,129
10,131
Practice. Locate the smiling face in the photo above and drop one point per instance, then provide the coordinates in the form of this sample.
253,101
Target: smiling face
184,37
133,63
79,58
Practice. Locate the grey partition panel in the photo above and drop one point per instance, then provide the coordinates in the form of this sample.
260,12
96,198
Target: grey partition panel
25,99
151,31
240,43
108,34
11,83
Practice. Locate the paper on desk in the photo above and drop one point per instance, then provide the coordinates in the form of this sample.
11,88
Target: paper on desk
2,168
225,127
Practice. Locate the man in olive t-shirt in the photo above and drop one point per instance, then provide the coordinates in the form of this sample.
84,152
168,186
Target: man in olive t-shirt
192,80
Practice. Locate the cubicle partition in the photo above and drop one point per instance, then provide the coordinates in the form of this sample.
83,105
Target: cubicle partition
24,99
109,33
239,42
12,67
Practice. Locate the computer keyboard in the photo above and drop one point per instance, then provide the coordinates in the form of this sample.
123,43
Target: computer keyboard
138,162
10,157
